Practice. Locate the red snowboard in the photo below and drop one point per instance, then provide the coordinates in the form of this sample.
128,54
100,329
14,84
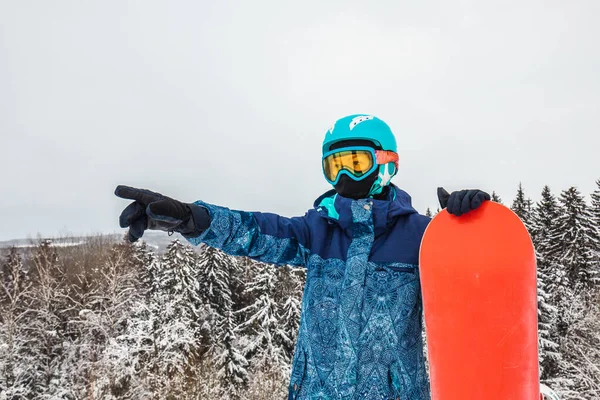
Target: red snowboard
478,276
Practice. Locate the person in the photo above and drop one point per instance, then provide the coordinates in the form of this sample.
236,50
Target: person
361,319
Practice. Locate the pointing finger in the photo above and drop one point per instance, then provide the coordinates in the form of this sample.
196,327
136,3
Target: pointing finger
142,195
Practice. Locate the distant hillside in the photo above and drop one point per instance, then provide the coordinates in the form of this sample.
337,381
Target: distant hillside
157,240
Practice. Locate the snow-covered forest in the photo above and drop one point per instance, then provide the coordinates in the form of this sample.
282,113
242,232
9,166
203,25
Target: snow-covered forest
111,320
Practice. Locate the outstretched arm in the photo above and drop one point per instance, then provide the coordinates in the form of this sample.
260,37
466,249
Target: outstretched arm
264,237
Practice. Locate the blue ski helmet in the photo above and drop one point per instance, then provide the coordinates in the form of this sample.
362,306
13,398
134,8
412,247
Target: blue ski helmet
365,127
360,126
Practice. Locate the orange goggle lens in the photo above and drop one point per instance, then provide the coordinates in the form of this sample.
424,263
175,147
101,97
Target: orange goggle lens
357,162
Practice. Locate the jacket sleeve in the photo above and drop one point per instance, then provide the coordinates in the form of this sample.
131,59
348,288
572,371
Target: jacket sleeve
265,237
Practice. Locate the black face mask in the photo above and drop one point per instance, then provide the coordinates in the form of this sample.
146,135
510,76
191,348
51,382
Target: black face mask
348,187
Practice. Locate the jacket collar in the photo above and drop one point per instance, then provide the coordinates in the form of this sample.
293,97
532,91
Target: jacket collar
338,209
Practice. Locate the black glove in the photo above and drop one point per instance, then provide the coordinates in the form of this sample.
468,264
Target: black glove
154,211
462,201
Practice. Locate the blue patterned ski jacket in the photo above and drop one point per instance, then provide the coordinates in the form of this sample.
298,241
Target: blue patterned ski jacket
360,327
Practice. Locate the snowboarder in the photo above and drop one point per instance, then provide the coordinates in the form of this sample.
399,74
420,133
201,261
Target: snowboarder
360,328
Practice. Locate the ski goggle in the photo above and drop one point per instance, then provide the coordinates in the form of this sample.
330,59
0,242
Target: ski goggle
356,162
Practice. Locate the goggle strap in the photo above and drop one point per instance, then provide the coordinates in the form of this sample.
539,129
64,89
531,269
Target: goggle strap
383,157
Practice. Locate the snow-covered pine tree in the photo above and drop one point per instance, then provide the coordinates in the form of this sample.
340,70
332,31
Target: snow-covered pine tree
158,352
230,363
14,290
142,257
138,348
579,374
548,248
97,354
522,206
496,198
596,204
578,325
574,241
548,347
595,210
261,316
214,269
45,324
219,274
543,221
571,277
126,353
179,275
267,357
14,279
172,314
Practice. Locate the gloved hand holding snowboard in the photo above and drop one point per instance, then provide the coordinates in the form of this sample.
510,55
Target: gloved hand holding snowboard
462,201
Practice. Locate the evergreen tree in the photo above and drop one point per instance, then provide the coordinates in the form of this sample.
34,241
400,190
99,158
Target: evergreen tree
496,198
179,279
542,222
178,276
263,339
261,321
579,374
549,356
97,355
218,271
215,268
572,274
428,213
523,208
45,323
596,204
14,290
595,210
139,348
175,312
574,240
230,362
544,227
142,257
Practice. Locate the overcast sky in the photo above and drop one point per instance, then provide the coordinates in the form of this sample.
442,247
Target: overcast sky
228,101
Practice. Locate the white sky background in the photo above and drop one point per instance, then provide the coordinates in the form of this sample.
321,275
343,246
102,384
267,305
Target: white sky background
228,101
